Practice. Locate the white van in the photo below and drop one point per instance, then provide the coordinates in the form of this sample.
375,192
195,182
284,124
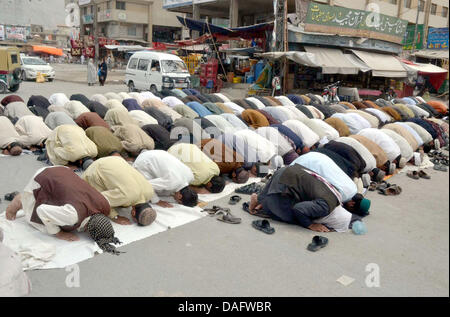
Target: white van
155,71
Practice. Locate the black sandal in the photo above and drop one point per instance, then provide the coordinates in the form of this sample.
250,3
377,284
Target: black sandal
234,199
263,225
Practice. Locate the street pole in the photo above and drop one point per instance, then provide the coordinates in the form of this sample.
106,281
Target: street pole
416,27
95,26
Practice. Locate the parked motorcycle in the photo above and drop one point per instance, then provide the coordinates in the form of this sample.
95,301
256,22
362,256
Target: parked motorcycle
329,93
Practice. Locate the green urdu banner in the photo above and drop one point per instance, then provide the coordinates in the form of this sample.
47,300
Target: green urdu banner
408,40
333,19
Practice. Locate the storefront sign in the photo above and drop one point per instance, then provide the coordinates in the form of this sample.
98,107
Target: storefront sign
83,2
343,21
437,38
16,33
2,33
408,40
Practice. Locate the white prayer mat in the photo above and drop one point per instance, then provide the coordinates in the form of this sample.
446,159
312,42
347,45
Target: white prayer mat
42,251
229,189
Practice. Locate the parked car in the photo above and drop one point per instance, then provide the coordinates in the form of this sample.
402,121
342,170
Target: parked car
155,71
32,65
9,69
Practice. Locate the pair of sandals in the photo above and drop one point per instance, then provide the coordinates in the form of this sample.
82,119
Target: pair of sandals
224,215
388,189
418,175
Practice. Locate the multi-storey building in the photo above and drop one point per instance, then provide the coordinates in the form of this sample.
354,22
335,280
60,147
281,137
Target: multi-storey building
130,21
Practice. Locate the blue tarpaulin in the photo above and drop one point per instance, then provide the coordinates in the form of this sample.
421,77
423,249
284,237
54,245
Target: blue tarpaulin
244,31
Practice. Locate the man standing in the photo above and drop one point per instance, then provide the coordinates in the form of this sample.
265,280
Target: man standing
56,201
91,73
168,177
122,186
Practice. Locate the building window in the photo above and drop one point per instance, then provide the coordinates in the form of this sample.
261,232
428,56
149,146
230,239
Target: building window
444,12
433,9
393,1
85,10
421,5
108,5
407,3
132,30
120,5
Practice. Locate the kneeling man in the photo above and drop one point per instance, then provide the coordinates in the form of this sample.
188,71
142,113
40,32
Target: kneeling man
168,177
122,186
56,201
299,196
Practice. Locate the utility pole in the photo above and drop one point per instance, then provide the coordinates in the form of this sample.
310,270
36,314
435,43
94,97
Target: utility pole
281,41
416,27
95,27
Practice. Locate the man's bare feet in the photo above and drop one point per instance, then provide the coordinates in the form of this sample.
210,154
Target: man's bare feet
122,220
318,227
67,236
13,208
253,202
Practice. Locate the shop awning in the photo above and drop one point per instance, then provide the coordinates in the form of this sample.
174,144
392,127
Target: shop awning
303,58
332,61
436,74
48,50
125,48
432,54
382,65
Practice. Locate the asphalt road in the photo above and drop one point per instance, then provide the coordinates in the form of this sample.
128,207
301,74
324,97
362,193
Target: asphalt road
407,242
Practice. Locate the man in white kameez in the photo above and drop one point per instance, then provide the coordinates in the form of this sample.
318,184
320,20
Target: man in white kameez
33,131
91,73
168,177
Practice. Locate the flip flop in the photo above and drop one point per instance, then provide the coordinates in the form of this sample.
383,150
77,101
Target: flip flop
234,199
440,167
263,225
213,210
413,175
393,190
318,242
422,174
246,207
229,218
373,186
383,185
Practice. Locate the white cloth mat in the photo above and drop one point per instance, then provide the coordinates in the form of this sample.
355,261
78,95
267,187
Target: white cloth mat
41,251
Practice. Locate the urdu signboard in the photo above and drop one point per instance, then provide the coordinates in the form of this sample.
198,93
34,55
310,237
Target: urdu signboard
352,22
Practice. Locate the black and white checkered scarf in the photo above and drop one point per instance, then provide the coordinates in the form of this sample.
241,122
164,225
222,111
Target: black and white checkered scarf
101,231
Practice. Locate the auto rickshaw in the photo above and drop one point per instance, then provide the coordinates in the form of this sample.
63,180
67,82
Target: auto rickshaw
9,69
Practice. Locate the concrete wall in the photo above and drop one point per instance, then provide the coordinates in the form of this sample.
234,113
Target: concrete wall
163,17
48,13
121,31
